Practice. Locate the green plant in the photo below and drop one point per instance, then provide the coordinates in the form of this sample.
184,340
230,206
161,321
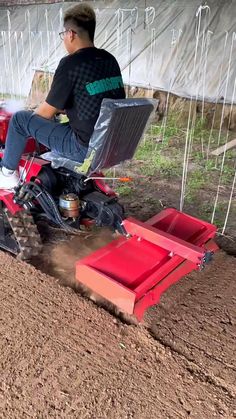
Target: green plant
154,161
124,190
196,181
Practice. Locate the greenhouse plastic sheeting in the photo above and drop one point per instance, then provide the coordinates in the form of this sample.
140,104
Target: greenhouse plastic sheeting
178,46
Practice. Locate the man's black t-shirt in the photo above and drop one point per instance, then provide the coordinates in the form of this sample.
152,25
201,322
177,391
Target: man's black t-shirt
81,81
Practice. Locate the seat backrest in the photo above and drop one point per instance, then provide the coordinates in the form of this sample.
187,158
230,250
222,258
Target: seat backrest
118,130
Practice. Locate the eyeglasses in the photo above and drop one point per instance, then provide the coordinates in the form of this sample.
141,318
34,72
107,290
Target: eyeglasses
62,34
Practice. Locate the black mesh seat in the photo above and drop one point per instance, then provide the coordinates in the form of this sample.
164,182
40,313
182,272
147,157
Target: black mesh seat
119,128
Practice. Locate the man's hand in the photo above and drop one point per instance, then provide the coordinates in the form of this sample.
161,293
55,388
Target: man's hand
47,111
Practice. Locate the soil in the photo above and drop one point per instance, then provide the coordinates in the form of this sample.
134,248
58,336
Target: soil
62,356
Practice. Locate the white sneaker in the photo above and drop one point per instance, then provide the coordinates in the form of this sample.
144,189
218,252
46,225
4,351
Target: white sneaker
8,181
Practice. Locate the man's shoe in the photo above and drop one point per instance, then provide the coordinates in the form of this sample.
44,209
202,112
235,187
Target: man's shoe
8,181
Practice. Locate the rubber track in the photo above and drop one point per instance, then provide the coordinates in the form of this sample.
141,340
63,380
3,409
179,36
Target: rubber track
26,234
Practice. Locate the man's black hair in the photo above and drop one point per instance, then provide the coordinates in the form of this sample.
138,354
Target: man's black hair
81,18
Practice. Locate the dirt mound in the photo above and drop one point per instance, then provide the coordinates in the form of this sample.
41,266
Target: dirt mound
63,357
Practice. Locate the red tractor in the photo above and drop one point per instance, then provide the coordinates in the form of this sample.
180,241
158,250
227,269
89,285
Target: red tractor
134,270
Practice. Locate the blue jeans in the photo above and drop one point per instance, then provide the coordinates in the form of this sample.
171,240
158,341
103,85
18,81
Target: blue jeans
54,135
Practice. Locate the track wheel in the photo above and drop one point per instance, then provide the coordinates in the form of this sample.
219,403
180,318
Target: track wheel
23,234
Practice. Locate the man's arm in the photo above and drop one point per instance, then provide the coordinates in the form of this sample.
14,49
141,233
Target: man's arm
60,92
47,111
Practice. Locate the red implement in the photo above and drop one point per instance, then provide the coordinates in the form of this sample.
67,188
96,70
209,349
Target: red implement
133,272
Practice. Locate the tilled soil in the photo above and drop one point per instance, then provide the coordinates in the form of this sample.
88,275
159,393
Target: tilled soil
61,356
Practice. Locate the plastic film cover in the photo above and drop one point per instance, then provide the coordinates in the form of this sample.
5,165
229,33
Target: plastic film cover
119,128
186,47
58,160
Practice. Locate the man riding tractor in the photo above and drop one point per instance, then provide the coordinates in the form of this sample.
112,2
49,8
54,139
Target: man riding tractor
82,80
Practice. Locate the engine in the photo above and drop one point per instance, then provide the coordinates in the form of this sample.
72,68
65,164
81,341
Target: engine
69,200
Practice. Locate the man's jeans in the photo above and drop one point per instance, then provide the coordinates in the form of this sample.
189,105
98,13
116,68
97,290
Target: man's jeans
54,135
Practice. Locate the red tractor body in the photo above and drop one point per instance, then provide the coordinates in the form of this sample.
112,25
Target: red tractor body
134,270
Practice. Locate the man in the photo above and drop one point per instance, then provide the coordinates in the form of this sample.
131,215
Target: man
82,80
